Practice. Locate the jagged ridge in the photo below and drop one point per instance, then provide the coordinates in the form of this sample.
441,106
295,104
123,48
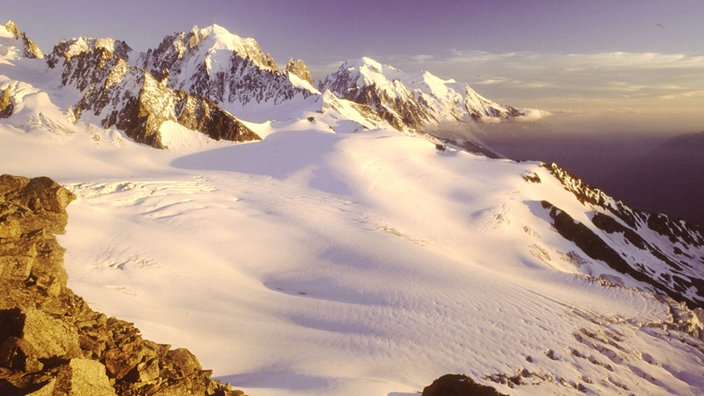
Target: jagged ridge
223,67
410,100
131,99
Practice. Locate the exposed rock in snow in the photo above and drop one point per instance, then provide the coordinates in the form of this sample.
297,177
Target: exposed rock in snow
6,105
29,48
652,248
299,69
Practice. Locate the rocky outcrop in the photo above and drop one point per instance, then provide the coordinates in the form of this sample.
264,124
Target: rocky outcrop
6,105
12,28
131,99
458,385
299,69
51,341
29,48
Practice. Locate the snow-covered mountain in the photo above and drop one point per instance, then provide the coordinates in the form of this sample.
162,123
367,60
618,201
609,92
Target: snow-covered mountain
411,100
130,99
225,67
319,262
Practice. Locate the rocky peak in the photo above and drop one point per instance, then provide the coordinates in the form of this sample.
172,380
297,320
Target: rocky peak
51,341
12,29
300,69
67,49
29,48
211,46
219,65
131,99
85,62
480,107
368,82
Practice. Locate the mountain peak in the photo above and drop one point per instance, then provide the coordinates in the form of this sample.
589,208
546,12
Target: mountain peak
29,48
415,100
79,45
9,30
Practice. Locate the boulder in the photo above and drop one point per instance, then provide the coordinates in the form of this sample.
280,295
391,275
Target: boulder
458,385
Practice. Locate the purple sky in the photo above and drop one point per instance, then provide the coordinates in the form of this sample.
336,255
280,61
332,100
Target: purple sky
628,55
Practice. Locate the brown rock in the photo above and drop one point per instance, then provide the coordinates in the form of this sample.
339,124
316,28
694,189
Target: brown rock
51,342
6,105
458,385
82,377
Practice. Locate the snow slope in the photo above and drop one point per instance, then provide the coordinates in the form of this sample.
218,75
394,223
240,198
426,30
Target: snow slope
371,263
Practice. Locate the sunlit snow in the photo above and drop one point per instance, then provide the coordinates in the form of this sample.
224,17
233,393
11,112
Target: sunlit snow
359,263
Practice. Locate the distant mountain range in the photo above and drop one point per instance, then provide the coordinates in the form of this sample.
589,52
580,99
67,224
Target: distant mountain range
668,178
191,77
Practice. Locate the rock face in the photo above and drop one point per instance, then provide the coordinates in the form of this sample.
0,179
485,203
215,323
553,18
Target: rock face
131,99
29,48
51,342
6,105
298,68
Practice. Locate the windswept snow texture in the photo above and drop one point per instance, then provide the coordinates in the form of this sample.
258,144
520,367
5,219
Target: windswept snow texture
367,263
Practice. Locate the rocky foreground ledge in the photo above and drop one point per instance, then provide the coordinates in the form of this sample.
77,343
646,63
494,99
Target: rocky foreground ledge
51,341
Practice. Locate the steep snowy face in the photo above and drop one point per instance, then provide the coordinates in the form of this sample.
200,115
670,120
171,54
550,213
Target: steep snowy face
131,99
662,254
222,66
411,100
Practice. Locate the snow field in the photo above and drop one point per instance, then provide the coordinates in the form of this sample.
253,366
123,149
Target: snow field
324,272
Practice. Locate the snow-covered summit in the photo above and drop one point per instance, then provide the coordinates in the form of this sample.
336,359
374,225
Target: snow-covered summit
411,100
221,66
10,32
213,45
80,45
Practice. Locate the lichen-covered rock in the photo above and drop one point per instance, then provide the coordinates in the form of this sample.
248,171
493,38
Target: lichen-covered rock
51,341
82,377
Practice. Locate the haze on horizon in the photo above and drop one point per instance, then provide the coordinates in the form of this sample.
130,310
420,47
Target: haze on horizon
633,66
